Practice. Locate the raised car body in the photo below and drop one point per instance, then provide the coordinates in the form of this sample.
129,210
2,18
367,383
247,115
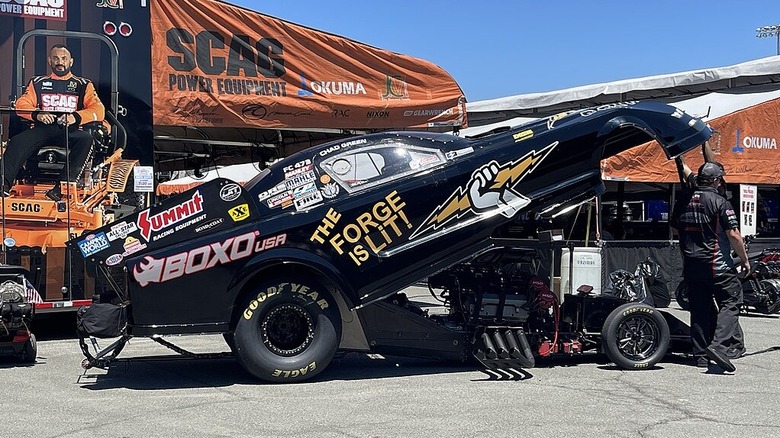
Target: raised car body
366,217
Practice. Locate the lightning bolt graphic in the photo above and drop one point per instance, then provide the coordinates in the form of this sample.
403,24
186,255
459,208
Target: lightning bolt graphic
459,204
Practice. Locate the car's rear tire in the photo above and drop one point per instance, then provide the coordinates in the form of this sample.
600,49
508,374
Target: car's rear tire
29,350
288,331
681,296
635,336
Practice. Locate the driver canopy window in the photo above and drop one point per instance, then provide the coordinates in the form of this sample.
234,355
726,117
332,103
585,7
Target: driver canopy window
368,167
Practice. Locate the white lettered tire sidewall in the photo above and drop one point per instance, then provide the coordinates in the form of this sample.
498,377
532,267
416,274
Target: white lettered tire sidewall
272,306
650,320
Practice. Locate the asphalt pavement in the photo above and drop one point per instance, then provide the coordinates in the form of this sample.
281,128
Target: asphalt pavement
362,396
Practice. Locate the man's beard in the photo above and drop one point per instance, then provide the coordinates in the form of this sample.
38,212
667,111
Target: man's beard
64,72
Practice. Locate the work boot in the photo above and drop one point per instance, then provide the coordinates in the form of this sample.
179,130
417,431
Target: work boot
721,359
55,193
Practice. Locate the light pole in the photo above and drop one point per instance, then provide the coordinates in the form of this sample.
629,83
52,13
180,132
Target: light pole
770,31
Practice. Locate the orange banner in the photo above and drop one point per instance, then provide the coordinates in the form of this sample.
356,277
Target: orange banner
216,64
745,143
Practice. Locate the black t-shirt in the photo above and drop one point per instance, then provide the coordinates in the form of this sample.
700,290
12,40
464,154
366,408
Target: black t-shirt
702,219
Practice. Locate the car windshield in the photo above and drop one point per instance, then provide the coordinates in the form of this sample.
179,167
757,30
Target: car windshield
367,167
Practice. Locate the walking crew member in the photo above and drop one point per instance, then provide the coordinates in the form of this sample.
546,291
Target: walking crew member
709,230
43,103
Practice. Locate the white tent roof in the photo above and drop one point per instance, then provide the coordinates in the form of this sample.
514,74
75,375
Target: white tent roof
760,75
240,173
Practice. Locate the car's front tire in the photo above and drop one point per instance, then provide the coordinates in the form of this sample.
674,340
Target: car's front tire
288,331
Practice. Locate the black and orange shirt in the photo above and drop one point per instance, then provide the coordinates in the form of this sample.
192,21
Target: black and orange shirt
69,94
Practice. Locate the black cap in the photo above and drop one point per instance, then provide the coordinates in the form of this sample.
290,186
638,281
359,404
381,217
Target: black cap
710,171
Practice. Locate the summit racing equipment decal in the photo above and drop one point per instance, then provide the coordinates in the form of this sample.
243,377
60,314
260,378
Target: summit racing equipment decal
152,270
490,191
170,216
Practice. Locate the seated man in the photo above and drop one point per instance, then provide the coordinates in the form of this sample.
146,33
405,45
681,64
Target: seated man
52,104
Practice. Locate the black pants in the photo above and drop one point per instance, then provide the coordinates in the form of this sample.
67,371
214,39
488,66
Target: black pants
27,143
714,305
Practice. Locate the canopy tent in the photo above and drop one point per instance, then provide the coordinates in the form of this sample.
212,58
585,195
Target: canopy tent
231,85
745,142
668,88
742,102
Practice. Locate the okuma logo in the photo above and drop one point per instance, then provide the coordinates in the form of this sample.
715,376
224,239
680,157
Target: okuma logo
309,88
753,142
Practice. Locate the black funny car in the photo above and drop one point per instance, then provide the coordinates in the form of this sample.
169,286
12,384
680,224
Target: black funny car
307,259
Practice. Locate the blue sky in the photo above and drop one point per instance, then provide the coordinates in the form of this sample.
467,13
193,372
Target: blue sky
497,48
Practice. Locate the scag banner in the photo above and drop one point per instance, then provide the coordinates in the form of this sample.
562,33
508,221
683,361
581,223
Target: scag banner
216,64
745,142
42,9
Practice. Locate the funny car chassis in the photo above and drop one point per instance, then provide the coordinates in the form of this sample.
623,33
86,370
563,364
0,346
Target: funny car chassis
501,357
103,358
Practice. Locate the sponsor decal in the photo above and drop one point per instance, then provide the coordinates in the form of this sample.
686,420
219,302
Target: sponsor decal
41,9
396,88
230,192
239,212
490,191
377,114
340,113
111,4
93,244
46,85
258,112
59,102
302,190
429,112
26,207
523,135
114,259
459,153
152,270
329,88
590,111
215,223
297,168
169,217
121,230
307,200
300,180
753,142
330,190
225,72
384,223
279,188
284,200
340,146
132,246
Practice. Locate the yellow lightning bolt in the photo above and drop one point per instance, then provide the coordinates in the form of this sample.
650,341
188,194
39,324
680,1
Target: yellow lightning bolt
458,204
512,174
